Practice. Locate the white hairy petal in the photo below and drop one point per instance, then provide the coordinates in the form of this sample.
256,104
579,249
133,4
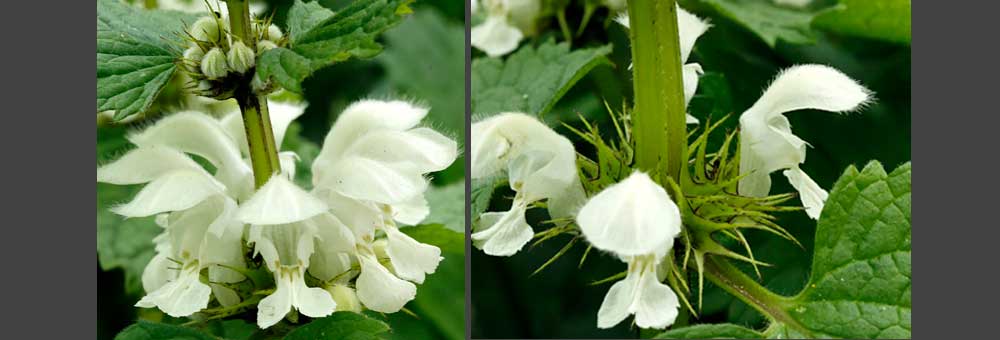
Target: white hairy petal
411,259
279,202
366,179
181,297
142,165
632,217
362,218
503,234
767,142
381,291
419,150
177,190
359,119
813,197
653,303
284,245
495,36
411,211
689,28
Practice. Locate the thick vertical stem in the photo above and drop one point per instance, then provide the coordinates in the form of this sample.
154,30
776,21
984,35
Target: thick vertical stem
256,120
658,115
240,23
260,137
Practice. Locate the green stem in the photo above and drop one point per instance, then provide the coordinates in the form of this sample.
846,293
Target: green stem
256,120
739,284
564,26
260,137
658,116
150,4
240,23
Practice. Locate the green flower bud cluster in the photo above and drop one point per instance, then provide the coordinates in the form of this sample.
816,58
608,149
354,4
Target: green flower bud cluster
219,62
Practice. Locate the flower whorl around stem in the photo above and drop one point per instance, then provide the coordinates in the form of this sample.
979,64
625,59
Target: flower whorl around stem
325,233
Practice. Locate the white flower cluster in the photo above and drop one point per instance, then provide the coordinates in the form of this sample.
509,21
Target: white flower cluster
368,176
635,219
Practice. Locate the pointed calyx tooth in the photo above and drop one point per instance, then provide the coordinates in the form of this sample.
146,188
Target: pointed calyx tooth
241,58
214,65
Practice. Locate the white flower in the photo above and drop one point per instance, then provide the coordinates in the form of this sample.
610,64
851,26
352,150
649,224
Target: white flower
540,164
194,239
370,173
284,232
196,208
689,28
507,22
766,139
636,220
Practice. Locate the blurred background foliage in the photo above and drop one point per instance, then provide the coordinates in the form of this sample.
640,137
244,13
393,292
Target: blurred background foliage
749,43
423,61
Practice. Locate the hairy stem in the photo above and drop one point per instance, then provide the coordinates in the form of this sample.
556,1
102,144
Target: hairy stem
658,115
734,281
256,120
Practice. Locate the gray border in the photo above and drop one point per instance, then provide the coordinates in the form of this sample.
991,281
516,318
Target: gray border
468,170
955,118
49,278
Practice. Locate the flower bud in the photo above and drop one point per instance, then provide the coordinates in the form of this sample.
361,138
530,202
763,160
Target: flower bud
214,64
194,54
241,58
273,33
345,297
206,29
265,45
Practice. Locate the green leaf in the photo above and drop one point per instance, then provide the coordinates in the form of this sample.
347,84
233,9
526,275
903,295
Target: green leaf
425,58
321,39
121,243
340,325
448,240
302,17
769,21
887,20
441,298
532,79
447,206
860,283
710,331
482,191
136,50
144,330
